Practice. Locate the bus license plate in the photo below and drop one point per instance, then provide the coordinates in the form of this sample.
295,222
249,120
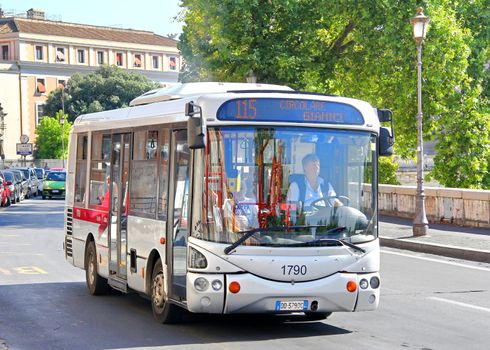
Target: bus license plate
295,305
55,191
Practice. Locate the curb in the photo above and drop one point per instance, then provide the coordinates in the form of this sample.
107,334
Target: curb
437,249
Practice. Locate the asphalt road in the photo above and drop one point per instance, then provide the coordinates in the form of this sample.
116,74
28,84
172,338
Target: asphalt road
427,302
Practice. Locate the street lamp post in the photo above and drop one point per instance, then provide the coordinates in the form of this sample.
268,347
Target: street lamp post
420,224
62,122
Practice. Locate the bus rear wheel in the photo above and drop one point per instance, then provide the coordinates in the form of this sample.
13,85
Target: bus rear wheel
163,311
96,285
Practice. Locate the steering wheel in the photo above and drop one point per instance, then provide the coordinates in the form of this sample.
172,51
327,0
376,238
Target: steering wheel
324,199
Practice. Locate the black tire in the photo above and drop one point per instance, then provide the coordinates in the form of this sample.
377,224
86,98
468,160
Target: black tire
317,316
96,285
163,311
9,202
44,197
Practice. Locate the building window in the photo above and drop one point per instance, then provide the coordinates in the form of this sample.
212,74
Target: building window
40,86
172,63
39,53
100,57
61,83
39,112
60,54
155,61
119,59
137,61
5,52
81,55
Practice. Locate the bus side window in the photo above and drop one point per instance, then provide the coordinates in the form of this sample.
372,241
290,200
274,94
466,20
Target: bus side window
163,174
144,174
100,170
81,169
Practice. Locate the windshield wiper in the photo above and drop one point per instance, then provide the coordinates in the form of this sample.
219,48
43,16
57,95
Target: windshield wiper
250,233
317,242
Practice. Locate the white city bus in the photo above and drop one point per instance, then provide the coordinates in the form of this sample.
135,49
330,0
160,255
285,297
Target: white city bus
229,198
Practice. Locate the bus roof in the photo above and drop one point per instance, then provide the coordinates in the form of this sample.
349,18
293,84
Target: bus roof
193,89
167,105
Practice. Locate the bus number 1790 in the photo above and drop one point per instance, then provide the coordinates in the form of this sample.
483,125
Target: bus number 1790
288,270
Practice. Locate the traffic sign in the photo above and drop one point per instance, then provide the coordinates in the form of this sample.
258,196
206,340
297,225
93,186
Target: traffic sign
24,149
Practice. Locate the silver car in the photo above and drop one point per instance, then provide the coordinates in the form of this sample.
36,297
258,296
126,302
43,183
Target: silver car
32,181
40,180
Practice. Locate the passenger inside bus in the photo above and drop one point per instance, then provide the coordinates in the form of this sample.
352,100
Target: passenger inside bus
240,211
309,187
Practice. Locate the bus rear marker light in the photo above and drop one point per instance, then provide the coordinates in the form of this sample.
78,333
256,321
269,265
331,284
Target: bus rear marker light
162,240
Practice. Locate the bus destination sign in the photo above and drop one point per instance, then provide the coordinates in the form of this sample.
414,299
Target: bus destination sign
289,110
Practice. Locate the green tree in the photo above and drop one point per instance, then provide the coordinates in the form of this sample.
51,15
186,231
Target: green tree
108,88
359,49
48,140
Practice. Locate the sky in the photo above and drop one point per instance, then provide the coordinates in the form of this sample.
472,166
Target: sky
153,15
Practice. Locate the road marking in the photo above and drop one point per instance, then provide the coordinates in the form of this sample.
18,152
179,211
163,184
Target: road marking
33,212
480,308
30,270
437,260
21,253
24,270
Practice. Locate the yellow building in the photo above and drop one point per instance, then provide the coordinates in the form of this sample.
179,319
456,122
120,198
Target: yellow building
38,55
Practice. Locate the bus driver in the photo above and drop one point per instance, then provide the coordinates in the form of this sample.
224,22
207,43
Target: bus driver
311,186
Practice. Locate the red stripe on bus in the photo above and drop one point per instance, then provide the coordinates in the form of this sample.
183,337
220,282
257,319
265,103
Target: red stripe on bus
91,215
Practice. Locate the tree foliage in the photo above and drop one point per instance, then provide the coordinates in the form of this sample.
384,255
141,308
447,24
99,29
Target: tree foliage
48,140
359,49
108,88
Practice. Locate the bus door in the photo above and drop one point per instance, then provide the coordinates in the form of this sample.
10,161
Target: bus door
118,212
178,216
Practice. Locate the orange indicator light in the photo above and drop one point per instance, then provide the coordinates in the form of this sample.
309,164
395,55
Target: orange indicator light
351,286
234,287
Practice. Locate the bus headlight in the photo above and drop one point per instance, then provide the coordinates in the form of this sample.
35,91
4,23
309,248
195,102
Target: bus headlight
363,284
201,284
196,259
374,282
217,285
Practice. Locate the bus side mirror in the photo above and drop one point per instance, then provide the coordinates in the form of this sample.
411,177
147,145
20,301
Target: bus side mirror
386,141
386,136
196,133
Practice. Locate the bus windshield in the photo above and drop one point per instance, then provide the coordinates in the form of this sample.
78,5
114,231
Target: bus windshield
291,185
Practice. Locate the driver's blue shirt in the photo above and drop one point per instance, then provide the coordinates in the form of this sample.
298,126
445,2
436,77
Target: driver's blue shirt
311,193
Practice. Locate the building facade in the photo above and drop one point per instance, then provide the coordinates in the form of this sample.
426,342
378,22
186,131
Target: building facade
39,55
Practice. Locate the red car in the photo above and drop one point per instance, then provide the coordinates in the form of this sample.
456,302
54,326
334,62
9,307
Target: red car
4,192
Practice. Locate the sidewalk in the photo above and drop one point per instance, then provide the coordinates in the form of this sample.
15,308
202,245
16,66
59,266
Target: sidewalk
447,240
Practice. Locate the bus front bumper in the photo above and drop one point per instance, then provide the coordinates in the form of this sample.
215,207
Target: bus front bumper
258,295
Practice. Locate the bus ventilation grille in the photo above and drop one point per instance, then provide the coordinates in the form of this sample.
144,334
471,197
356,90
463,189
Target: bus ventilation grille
69,232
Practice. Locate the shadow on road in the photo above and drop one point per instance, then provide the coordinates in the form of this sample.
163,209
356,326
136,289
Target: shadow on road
64,315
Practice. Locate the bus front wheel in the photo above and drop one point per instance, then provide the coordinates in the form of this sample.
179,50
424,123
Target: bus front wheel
96,285
163,311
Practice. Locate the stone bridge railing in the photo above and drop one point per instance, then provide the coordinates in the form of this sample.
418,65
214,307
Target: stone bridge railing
443,205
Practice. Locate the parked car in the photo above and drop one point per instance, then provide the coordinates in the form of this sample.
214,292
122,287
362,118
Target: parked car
22,180
32,180
40,180
14,186
54,184
4,196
